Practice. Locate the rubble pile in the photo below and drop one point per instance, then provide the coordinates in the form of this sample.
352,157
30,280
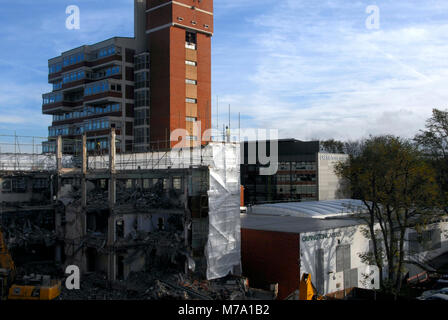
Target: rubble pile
29,234
157,286
94,286
97,198
139,198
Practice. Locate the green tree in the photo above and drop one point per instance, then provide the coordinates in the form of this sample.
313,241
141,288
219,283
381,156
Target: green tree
399,190
433,141
332,146
336,146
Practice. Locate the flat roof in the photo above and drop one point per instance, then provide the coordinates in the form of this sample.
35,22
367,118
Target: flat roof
295,225
112,39
310,209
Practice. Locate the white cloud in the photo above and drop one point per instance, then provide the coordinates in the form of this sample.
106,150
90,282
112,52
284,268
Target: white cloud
326,76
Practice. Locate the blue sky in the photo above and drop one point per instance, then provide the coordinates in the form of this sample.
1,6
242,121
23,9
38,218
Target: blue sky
309,68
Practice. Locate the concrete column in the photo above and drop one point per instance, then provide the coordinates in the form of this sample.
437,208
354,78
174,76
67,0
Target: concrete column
59,153
140,25
110,242
170,185
112,201
59,163
112,171
59,234
84,171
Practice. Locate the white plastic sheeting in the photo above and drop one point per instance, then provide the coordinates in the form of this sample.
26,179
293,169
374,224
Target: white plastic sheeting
311,209
223,249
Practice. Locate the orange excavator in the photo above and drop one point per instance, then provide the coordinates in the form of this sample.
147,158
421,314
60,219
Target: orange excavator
29,288
307,291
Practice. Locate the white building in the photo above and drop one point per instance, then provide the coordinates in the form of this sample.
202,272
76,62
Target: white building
329,240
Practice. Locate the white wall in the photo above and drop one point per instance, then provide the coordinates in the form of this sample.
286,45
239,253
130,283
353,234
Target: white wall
427,254
310,242
334,281
328,181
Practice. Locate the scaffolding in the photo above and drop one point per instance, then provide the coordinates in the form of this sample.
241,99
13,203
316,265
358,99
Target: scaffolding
25,153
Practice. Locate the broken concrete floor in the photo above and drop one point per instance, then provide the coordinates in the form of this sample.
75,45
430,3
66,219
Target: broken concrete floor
156,286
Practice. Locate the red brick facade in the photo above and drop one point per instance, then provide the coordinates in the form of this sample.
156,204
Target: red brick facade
167,24
271,257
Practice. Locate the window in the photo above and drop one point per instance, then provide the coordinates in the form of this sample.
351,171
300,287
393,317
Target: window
97,88
73,76
189,100
19,185
141,80
100,144
192,138
52,98
190,119
425,241
161,224
96,125
7,186
73,59
57,85
177,183
141,98
141,117
40,183
190,37
119,229
191,63
142,62
55,68
319,270
189,81
350,278
343,258
105,52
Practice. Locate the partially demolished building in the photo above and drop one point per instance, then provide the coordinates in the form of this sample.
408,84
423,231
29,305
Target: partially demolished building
124,213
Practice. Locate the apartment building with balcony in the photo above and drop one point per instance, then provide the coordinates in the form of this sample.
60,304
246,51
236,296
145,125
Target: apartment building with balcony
93,89
146,86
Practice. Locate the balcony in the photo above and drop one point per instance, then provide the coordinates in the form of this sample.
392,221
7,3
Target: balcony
55,102
103,91
60,107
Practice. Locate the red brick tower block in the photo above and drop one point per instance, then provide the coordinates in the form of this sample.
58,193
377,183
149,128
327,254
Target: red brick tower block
180,46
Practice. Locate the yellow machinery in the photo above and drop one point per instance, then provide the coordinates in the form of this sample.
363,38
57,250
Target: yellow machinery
307,290
35,290
30,288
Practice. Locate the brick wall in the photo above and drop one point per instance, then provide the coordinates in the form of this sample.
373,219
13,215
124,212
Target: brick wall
271,257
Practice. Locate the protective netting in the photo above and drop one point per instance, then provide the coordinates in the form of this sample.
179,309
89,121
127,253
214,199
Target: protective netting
223,250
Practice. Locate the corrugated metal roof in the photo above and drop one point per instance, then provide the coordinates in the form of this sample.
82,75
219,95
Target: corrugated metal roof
294,224
311,209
